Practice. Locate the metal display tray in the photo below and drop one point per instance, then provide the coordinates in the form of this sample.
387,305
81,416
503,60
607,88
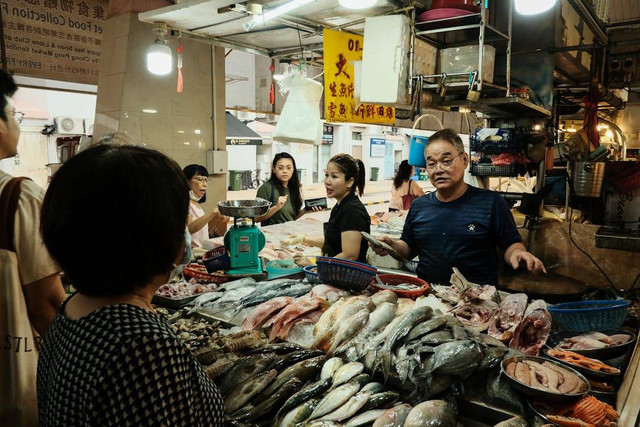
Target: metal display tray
172,303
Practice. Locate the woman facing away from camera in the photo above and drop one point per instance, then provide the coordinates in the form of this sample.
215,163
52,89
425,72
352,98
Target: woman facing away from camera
108,358
404,188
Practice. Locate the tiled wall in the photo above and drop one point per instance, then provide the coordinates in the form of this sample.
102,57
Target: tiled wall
181,126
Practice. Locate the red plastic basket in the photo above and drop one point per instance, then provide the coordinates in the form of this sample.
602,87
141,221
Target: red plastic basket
199,272
396,279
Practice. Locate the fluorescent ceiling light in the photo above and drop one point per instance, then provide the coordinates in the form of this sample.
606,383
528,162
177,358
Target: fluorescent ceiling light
149,111
275,12
357,4
533,7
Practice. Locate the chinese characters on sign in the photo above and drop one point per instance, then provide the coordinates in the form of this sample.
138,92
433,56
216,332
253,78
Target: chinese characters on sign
54,39
340,51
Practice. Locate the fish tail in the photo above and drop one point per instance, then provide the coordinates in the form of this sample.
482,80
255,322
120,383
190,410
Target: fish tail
386,363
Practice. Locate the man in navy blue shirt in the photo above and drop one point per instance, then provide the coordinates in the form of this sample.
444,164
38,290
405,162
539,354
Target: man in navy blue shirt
458,225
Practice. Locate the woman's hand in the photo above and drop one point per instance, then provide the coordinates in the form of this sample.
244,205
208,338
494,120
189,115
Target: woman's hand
281,201
302,261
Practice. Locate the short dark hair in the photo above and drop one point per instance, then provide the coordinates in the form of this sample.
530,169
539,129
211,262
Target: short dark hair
196,170
450,136
7,88
351,168
133,228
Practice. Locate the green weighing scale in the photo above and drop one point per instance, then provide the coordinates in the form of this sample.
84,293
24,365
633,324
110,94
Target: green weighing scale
244,240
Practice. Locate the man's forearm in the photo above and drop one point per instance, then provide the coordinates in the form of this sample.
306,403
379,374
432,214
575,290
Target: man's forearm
402,248
513,249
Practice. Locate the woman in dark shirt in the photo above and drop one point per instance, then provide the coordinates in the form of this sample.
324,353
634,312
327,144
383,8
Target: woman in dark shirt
344,176
108,358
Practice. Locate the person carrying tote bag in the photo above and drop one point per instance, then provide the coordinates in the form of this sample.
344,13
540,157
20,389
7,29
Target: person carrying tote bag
18,363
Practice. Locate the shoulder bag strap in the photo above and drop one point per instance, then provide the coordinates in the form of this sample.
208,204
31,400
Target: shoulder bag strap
8,208
409,189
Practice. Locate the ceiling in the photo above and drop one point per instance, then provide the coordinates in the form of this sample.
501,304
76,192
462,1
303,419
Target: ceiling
215,20
624,11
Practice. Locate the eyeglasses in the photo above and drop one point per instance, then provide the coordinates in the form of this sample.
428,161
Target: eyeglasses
17,115
446,163
202,179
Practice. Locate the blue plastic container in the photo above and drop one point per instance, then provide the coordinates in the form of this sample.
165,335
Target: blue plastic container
416,151
585,316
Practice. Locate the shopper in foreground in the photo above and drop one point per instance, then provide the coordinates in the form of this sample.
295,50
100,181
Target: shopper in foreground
108,358
458,225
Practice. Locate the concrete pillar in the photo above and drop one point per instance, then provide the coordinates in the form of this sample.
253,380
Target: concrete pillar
147,107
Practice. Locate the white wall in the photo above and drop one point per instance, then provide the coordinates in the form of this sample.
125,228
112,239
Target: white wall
243,93
242,157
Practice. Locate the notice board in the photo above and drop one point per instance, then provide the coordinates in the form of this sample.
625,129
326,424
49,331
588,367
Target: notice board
341,49
54,39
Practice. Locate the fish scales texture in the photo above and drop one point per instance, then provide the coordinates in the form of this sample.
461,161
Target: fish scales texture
432,413
307,392
299,414
346,372
262,312
295,290
456,357
245,391
244,369
348,409
365,418
426,327
379,318
350,327
402,329
303,370
380,400
334,399
330,367
394,417
269,404
291,312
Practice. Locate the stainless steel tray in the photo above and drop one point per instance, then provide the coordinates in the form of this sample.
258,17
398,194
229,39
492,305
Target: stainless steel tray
244,208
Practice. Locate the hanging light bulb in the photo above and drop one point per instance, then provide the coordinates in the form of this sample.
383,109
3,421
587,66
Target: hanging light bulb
357,4
533,7
159,59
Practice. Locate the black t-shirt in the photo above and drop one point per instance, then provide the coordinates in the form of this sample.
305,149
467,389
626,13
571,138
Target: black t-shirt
349,215
465,233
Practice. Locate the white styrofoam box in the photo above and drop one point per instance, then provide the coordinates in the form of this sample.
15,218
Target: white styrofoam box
464,59
385,64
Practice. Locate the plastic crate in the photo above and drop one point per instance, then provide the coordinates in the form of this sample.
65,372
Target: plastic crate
216,259
585,316
510,145
311,274
350,275
487,169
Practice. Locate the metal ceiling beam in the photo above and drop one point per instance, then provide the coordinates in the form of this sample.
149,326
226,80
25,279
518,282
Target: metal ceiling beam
590,19
218,41
278,53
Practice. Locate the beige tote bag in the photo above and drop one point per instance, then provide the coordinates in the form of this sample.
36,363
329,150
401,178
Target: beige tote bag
18,352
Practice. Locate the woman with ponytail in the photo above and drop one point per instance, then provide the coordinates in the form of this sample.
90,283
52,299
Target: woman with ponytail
344,181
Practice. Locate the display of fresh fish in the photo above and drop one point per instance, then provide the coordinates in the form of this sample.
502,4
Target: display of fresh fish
303,370
346,372
245,391
365,418
310,317
373,388
312,389
413,318
394,417
288,359
328,293
480,293
533,331
405,305
243,369
593,340
349,327
476,315
510,313
435,303
379,318
330,367
334,399
449,294
348,409
288,314
432,413
299,414
326,321
456,357
259,296
351,307
263,312
426,327
269,404
380,400
384,296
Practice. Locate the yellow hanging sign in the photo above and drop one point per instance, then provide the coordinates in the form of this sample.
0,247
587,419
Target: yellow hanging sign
340,51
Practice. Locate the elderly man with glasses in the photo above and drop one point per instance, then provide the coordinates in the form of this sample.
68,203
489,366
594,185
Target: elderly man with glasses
458,225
